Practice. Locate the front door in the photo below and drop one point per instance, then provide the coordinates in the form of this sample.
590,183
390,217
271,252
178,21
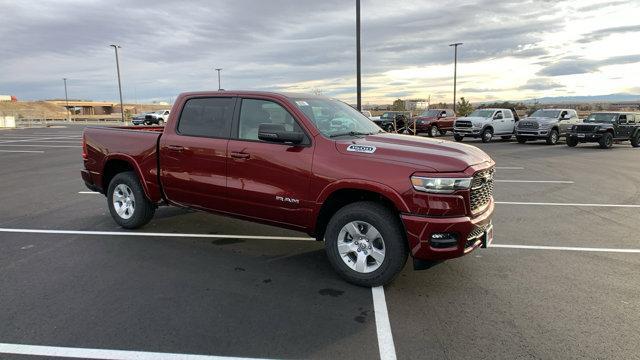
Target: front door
193,153
266,180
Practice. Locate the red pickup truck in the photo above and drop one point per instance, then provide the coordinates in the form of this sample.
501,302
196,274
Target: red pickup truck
302,162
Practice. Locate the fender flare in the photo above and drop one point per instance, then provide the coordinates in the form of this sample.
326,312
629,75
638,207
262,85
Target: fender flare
136,168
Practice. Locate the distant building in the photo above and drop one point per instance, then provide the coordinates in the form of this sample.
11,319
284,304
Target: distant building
8,98
416,104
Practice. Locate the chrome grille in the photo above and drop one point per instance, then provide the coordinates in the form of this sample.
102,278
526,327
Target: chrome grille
523,124
481,189
463,123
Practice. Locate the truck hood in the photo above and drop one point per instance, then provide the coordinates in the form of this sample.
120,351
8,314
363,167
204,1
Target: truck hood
541,120
427,154
473,118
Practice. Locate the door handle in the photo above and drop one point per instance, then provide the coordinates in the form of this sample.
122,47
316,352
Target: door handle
240,155
176,148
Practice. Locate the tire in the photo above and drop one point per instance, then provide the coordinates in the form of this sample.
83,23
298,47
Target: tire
553,137
443,132
572,142
521,140
487,135
606,141
357,219
506,137
389,128
161,122
123,187
433,131
457,137
635,140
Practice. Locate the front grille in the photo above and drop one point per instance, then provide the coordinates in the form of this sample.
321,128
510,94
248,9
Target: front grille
528,124
475,235
463,123
585,128
481,189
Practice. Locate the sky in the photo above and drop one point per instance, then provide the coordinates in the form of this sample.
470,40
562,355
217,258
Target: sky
511,50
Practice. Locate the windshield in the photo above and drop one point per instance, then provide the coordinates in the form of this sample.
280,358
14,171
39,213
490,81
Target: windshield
546,113
386,116
482,113
601,118
431,113
334,118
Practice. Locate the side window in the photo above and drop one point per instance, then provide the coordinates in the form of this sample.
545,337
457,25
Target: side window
573,114
631,118
498,115
622,119
450,113
255,112
508,114
207,117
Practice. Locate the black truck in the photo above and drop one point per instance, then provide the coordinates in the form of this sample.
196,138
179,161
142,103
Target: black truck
605,128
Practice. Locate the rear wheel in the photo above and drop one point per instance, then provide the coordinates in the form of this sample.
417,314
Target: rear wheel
433,131
128,205
487,135
606,141
552,139
161,122
365,245
571,141
635,140
521,139
457,137
389,128
443,132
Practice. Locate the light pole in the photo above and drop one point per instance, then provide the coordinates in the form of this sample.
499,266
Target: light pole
66,98
358,78
455,70
116,47
218,70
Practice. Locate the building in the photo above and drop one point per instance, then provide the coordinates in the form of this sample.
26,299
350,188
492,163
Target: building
416,104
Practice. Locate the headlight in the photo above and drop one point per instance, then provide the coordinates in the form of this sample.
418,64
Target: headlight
440,185
477,124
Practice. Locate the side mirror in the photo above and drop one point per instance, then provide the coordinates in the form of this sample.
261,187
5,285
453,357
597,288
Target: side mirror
442,116
277,133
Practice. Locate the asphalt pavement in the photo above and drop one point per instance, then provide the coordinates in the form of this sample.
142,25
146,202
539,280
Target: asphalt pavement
558,284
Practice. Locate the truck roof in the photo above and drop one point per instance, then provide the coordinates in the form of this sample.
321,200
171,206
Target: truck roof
252,92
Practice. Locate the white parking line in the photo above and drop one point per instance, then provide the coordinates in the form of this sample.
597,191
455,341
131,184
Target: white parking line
536,181
566,204
86,353
36,139
88,192
509,168
565,248
23,151
383,326
156,234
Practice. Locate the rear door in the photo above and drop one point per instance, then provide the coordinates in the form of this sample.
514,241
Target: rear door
449,120
624,127
266,180
193,153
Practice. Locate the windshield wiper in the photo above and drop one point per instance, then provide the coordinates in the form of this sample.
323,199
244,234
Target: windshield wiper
350,133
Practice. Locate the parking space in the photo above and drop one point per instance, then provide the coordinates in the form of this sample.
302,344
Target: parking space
240,289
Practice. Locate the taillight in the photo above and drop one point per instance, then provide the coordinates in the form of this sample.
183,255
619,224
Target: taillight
84,148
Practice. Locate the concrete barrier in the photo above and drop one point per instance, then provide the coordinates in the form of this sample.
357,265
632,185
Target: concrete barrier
7,122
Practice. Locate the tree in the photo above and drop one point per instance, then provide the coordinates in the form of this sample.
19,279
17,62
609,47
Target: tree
464,107
398,105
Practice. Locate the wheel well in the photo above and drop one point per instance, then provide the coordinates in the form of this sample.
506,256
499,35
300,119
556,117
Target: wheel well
341,198
488,127
111,169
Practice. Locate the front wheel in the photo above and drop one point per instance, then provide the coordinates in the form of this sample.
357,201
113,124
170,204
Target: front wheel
553,137
606,141
457,137
365,245
572,142
433,131
128,205
521,139
389,128
487,135
635,140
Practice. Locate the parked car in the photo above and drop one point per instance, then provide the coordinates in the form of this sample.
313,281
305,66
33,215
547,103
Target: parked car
139,119
434,122
386,120
605,128
303,162
546,124
157,117
485,124
366,113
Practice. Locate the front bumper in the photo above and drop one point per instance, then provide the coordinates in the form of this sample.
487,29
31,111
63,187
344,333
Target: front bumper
471,233
585,137
472,132
533,133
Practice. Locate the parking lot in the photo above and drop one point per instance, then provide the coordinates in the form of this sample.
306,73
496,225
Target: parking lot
561,281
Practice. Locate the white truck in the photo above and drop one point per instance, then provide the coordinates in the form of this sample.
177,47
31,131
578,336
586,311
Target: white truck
485,124
157,117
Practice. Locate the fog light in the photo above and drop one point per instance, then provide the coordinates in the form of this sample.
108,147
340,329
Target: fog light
443,240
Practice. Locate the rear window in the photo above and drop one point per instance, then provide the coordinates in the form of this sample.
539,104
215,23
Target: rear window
207,117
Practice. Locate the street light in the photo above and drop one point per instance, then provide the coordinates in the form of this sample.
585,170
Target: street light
218,70
455,69
66,98
358,78
116,47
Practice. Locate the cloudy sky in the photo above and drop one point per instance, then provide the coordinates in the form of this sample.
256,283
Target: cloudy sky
512,50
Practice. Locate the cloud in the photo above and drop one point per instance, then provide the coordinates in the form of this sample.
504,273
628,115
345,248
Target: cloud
603,33
539,84
573,66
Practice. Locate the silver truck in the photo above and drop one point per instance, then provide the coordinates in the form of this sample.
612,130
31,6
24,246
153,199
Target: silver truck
485,124
546,124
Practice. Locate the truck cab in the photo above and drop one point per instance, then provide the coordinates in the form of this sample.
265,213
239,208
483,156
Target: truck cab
546,124
605,128
485,124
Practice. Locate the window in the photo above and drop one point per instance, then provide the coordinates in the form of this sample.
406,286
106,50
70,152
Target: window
508,114
335,119
450,113
498,115
622,119
632,119
207,117
574,114
255,112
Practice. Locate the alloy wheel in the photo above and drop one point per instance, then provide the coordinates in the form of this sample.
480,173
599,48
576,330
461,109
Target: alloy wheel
361,246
